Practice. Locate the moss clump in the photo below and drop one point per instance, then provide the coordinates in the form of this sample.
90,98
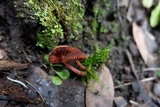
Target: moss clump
94,61
99,13
57,19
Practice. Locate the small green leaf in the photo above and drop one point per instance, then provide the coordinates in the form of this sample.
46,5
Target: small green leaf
64,74
155,16
56,80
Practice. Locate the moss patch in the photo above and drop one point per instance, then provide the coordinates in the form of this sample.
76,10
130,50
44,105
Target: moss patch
95,61
57,19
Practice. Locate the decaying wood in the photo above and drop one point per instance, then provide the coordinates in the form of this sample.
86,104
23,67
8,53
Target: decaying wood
3,54
16,93
9,65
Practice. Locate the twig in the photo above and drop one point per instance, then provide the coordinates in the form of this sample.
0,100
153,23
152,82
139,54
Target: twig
150,69
143,80
119,18
35,89
27,57
17,81
142,91
132,64
134,103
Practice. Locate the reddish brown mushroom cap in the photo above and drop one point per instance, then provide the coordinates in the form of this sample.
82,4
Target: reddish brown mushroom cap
57,54
65,54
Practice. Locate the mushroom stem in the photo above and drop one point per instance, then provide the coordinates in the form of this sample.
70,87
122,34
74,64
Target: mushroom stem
80,65
74,69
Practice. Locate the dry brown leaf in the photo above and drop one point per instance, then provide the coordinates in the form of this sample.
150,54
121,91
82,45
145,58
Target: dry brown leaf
101,94
140,39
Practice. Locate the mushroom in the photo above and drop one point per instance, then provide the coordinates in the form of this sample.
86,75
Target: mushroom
65,54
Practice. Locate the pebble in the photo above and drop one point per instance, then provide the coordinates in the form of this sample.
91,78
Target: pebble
156,89
133,49
120,101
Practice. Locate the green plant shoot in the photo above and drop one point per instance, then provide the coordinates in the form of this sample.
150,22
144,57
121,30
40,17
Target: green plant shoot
95,61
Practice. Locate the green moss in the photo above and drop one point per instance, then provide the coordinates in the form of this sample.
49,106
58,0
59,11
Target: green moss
99,11
57,19
94,62
115,26
94,24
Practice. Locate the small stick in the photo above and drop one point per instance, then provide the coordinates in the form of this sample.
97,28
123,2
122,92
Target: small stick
143,92
150,69
131,63
120,18
134,103
36,90
17,81
27,57
143,80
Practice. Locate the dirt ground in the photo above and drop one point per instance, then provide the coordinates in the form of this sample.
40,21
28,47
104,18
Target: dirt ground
136,83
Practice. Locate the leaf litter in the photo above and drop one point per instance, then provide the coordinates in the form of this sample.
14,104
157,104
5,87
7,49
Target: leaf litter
142,41
136,18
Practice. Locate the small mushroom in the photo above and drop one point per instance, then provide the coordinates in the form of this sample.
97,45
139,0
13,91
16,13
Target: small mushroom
65,54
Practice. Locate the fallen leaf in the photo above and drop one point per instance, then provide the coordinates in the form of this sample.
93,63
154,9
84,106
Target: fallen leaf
150,41
142,43
101,93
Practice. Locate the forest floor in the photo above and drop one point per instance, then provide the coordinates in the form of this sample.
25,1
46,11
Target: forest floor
133,61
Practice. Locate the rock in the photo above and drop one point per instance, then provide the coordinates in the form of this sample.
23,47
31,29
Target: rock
156,89
42,82
133,49
120,101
